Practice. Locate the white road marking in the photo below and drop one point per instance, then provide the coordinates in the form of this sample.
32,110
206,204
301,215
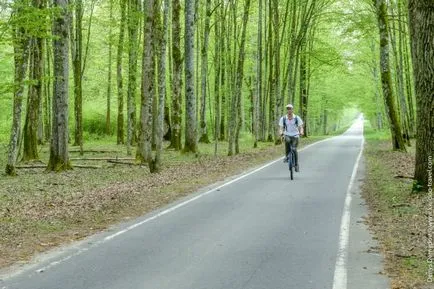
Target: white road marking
340,275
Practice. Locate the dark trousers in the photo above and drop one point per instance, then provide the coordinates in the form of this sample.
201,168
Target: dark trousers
291,141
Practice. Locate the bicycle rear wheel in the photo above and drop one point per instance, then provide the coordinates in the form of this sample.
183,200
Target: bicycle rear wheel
291,165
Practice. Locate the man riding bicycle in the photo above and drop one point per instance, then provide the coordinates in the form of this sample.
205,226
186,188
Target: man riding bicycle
291,126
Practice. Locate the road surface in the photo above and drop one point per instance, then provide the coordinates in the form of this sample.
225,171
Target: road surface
260,230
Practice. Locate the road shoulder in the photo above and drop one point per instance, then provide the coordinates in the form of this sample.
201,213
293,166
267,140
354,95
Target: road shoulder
365,261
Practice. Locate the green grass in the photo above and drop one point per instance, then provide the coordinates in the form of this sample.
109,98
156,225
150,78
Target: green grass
371,133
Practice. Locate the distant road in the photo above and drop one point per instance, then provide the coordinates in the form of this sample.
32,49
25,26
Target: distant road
261,231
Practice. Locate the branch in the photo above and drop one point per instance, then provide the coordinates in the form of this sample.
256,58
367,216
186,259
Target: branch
93,151
86,166
123,163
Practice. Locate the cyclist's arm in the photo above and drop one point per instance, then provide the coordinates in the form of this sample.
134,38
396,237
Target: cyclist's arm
300,127
281,126
301,130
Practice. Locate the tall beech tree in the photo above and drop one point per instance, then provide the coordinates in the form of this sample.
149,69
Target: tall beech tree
77,66
161,47
59,156
133,48
176,83
119,76
21,42
31,125
190,97
421,19
109,72
144,150
204,74
386,80
235,118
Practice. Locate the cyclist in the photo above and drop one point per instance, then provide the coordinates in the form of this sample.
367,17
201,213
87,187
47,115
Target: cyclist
291,126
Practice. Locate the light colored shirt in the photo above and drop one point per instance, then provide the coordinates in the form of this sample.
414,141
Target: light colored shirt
291,128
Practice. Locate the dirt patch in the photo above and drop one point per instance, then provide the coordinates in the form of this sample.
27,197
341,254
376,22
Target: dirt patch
398,218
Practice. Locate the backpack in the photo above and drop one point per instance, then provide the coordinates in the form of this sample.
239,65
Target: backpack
285,117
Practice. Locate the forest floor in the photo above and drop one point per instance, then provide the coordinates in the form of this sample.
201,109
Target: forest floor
41,210
397,217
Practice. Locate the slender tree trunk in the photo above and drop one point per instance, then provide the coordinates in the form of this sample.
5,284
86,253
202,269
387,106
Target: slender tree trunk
144,150
396,43
133,22
276,75
270,72
47,94
303,85
77,63
257,97
403,97
409,84
386,80
376,81
204,74
217,78
59,157
155,164
33,104
240,75
21,52
176,77
190,123
120,118
109,74
421,19
223,83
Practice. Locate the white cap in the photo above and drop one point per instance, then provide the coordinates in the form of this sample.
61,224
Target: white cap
289,106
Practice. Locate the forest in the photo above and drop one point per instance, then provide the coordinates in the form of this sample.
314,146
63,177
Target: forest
112,109
157,73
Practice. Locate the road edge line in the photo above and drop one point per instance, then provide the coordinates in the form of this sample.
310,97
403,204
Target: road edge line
340,274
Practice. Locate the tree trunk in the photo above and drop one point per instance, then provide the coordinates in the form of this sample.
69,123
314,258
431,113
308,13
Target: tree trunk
120,118
109,74
21,50
59,158
190,103
303,82
77,63
133,22
47,94
240,75
155,164
276,74
177,77
386,80
204,74
421,18
144,150
396,42
34,101
259,88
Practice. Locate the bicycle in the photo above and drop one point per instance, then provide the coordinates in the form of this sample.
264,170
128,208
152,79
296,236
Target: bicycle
291,159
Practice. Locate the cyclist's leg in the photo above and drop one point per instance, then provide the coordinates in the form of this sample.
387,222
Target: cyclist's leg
287,146
294,144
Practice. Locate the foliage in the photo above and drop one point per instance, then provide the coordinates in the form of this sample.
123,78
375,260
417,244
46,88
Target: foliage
341,63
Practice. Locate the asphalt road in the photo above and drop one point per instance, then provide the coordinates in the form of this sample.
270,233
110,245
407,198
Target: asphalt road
261,230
